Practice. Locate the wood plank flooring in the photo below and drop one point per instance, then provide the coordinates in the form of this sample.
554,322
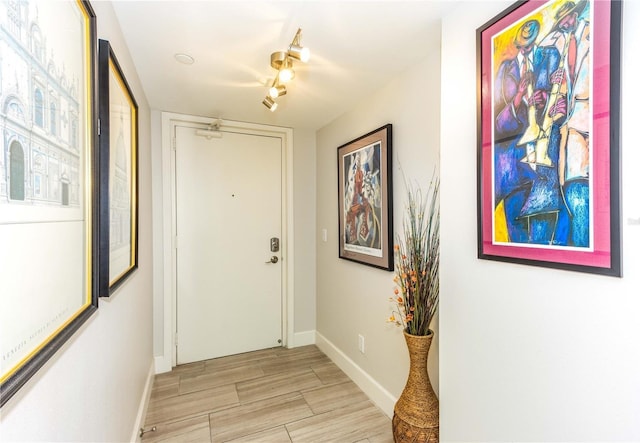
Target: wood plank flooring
274,395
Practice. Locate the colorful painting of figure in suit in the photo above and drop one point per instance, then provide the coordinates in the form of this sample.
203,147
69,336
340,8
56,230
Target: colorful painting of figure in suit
548,119
542,125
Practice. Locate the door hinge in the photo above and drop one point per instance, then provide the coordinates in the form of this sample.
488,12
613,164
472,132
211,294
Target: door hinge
99,132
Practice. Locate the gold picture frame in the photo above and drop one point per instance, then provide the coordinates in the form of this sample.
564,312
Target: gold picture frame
48,215
118,172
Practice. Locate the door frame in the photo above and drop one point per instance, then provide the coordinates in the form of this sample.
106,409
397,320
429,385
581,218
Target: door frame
169,315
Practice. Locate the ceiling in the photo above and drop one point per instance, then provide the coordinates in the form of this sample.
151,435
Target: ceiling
356,48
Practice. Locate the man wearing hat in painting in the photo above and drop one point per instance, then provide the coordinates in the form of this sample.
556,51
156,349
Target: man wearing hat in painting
522,84
512,82
571,36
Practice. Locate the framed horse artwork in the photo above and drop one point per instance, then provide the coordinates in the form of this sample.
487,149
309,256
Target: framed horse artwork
364,199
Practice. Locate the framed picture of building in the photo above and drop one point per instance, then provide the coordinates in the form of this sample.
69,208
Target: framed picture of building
548,134
365,199
118,171
48,271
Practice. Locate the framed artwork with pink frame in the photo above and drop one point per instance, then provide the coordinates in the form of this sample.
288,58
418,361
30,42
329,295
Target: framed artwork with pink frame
548,135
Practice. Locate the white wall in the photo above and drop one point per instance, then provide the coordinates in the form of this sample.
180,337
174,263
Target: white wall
531,354
157,198
92,388
304,203
353,298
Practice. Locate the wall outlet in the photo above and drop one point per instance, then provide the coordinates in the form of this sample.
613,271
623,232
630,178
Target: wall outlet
361,343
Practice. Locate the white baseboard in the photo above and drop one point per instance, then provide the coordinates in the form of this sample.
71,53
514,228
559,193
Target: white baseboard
374,390
303,339
144,403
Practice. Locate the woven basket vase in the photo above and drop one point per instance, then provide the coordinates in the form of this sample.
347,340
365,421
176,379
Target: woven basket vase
416,416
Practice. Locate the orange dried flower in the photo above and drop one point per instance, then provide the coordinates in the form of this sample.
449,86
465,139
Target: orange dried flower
417,256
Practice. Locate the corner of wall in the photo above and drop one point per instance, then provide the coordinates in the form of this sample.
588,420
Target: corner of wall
304,338
144,404
374,390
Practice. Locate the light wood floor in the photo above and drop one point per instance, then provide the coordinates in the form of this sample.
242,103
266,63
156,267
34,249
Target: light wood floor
274,395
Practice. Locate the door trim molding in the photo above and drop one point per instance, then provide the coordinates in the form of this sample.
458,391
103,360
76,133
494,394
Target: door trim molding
170,120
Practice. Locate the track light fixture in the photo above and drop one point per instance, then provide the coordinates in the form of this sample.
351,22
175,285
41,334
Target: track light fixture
270,103
277,90
286,72
282,61
297,51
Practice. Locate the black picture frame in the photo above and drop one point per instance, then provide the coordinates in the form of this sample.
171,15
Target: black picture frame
43,338
118,173
365,199
540,167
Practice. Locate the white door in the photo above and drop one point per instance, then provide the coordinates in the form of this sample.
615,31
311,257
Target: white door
228,208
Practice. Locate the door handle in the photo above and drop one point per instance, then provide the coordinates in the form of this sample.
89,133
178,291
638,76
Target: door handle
273,259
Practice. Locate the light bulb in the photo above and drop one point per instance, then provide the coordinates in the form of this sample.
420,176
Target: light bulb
305,55
299,53
277,91
285,75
